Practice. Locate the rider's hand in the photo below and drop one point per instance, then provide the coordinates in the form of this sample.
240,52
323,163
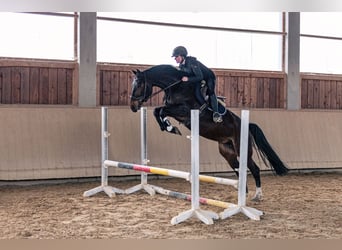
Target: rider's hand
185,79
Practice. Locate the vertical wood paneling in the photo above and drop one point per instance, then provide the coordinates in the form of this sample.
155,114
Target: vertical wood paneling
240,92
114,92
339,95
220,85
44,86
260,93
316,95
16,85
37,82
266,102
227,93
273,93
6,86
123,88
247,92
253,89
310,93
34,86
25,85
321,92
69,87
234,92
304,92
327,93
106,86
53,86
333,88
62,83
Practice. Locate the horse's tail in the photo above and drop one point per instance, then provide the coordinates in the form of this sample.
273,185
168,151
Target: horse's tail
265,150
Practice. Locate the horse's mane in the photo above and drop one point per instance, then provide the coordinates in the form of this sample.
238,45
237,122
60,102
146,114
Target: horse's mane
166,70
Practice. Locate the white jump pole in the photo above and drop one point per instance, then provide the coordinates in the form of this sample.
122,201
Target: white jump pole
195,211
110,191
143,146
252,213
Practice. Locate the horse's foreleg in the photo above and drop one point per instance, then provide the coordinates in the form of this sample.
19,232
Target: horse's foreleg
164,122
157,114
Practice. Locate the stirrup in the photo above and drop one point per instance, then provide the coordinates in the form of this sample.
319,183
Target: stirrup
217,117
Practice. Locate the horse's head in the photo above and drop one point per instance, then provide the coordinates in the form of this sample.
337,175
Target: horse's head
141,90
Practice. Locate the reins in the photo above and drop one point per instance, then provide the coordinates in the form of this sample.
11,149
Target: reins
171,85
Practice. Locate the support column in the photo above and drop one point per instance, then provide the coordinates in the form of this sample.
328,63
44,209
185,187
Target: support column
87,59
292,66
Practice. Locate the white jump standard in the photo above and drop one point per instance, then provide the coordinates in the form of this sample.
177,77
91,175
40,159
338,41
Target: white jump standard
195,211
143,147
110,191
252,213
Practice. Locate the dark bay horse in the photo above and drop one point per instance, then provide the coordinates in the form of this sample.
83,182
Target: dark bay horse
179,99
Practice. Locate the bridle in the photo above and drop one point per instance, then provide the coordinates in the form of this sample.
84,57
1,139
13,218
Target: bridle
144,97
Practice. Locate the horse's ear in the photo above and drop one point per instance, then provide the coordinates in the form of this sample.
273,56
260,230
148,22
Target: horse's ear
136,71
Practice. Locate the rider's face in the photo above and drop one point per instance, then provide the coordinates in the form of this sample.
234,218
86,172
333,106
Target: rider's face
179,59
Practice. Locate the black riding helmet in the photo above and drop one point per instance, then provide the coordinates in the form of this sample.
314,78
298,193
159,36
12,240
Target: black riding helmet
179,51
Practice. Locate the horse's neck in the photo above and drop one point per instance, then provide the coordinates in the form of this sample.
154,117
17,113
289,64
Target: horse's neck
162,83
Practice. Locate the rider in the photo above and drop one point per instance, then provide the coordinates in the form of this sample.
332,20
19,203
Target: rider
198,73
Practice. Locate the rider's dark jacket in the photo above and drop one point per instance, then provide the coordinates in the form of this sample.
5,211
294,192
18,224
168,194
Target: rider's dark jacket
197,71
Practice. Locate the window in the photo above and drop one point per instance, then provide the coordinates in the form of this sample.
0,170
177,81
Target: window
321,42
220,40
47,36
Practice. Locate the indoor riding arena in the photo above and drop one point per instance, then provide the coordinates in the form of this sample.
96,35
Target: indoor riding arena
54,183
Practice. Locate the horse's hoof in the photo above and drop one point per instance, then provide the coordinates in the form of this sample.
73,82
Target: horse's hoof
256,198
176,131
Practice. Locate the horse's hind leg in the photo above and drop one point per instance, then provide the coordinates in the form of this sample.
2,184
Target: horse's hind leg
228,152
255,171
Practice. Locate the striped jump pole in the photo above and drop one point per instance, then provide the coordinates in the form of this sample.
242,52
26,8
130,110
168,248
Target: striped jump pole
252,213
187,197
170,172
110,191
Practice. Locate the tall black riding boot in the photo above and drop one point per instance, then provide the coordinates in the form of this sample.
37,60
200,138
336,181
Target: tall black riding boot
214,105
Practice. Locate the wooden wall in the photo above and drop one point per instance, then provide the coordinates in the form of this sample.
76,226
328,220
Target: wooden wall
37,82
321,91
56,82
253,89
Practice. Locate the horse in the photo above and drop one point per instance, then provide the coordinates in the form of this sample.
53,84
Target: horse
179,99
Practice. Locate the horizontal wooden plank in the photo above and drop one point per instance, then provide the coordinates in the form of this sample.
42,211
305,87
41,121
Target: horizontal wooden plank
321,77
6,62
